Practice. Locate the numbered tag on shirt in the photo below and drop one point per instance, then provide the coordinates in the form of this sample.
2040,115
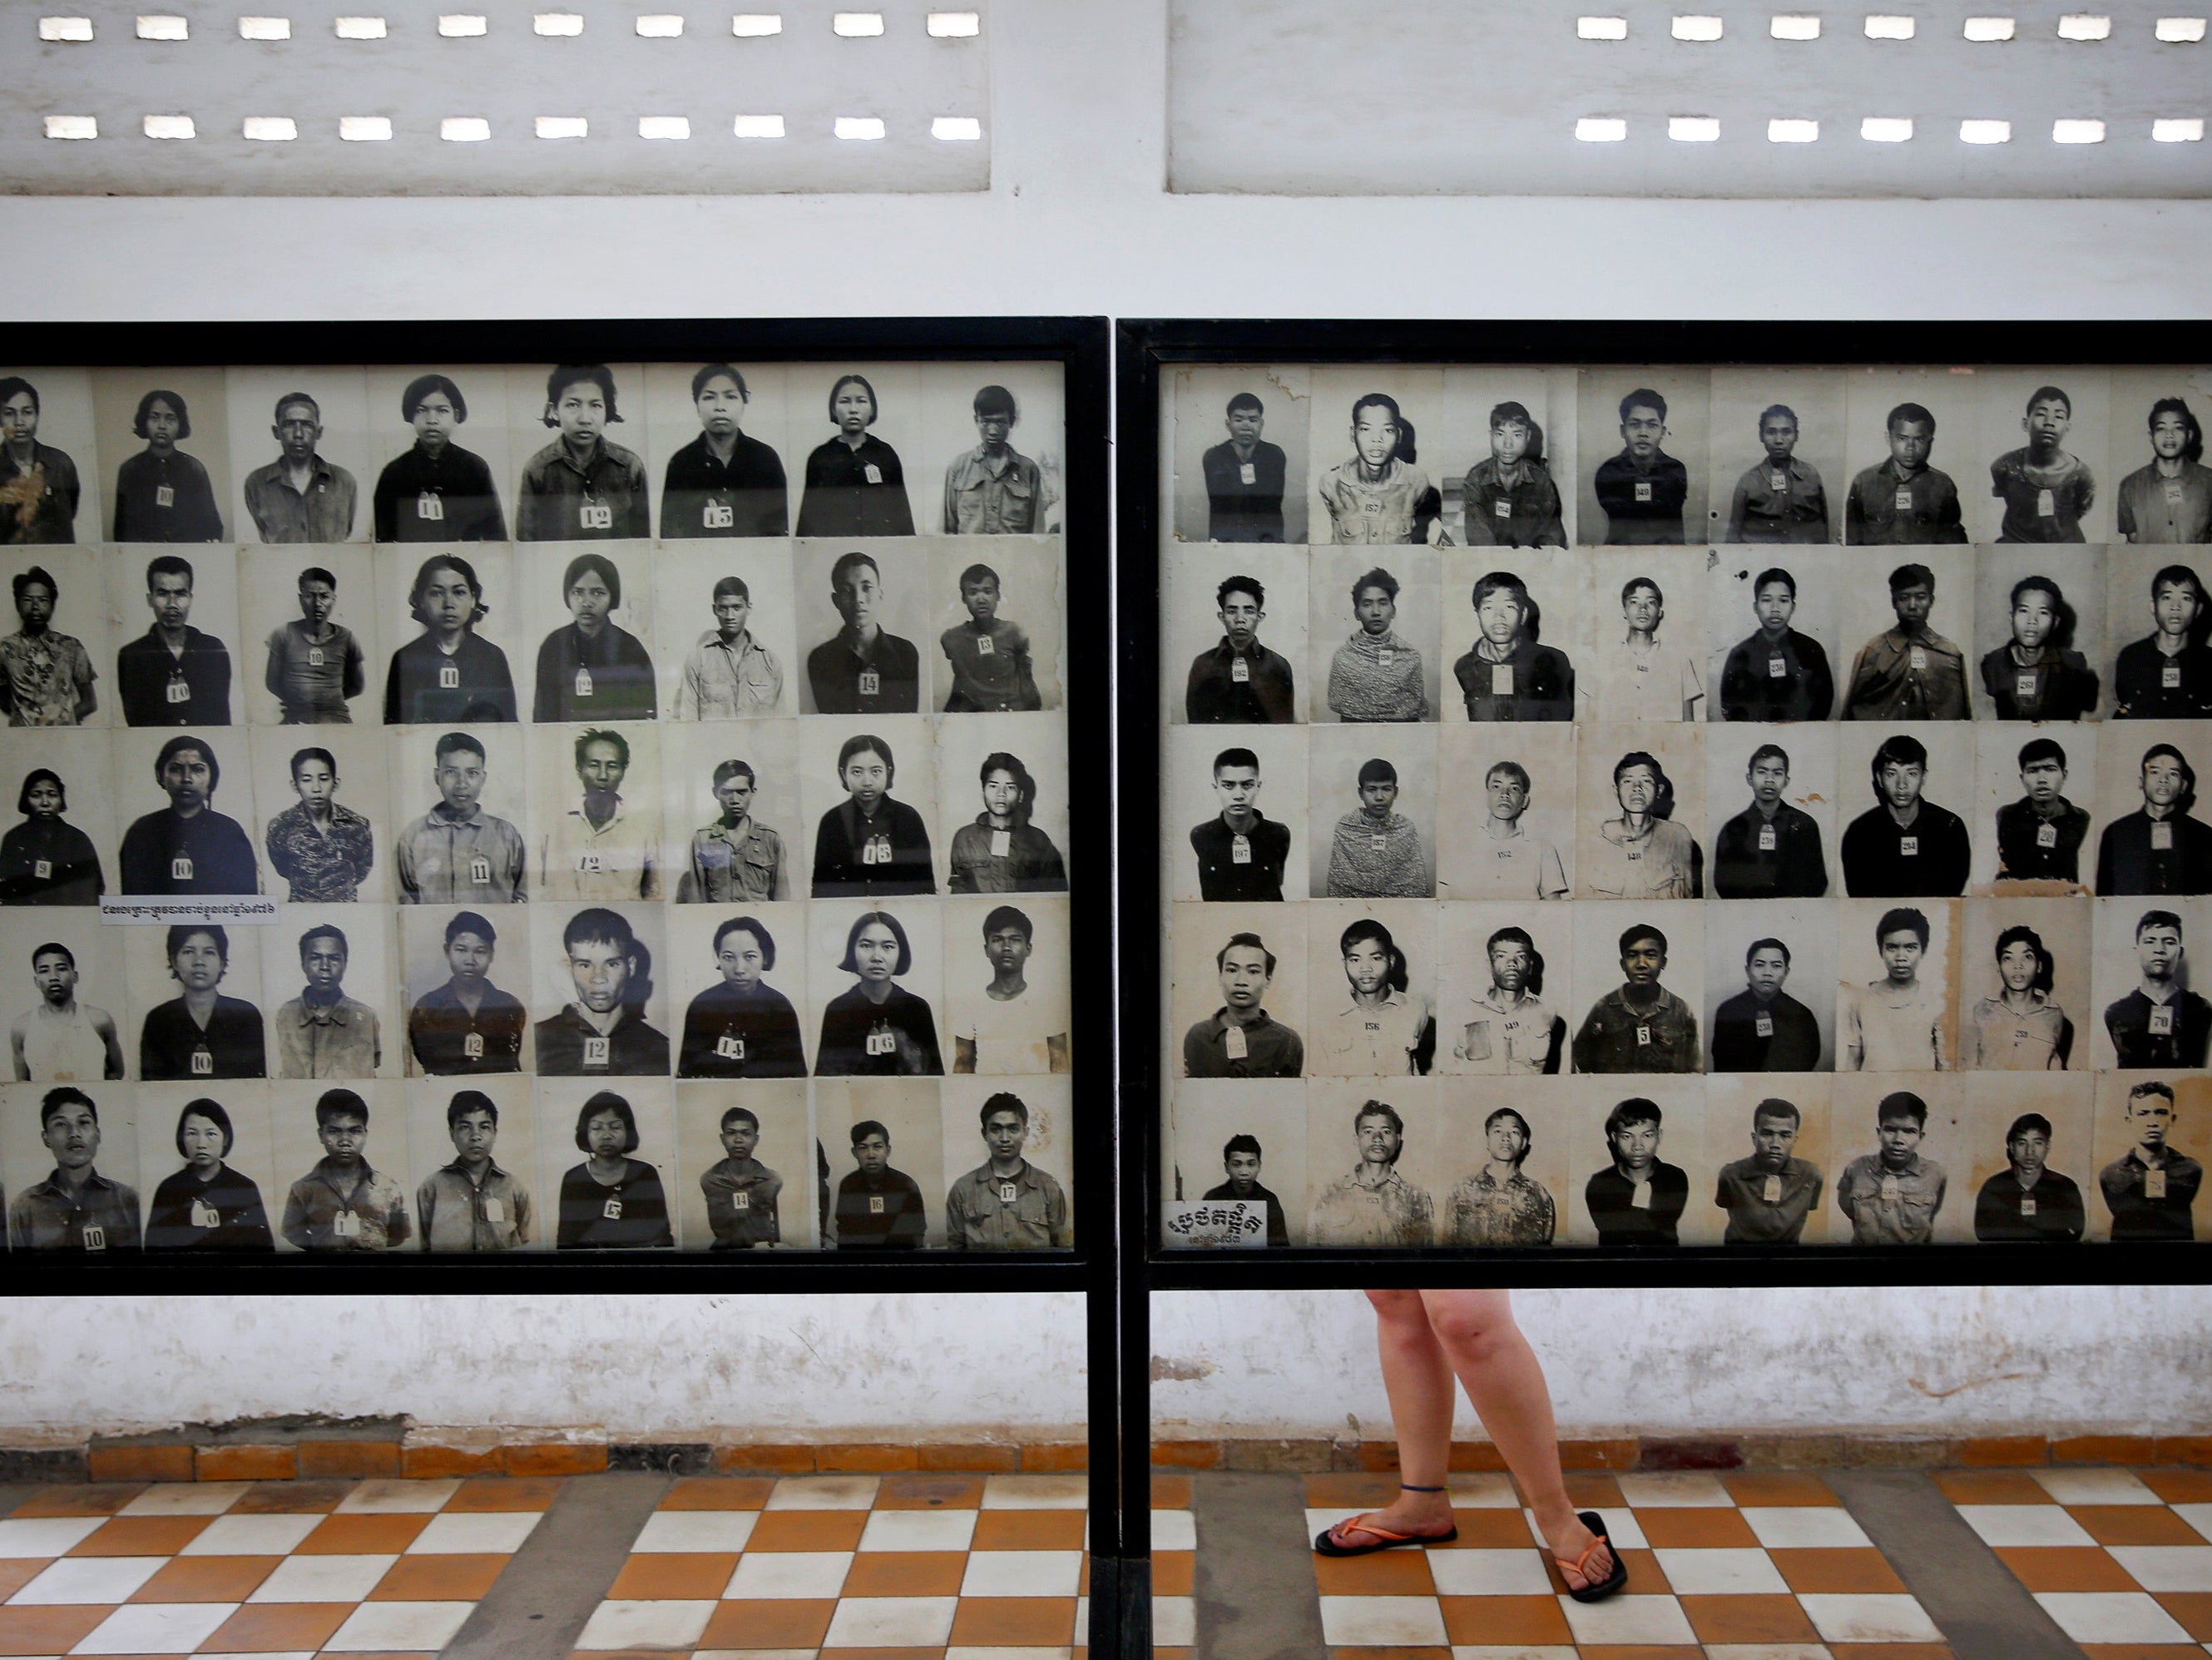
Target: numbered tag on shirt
205,1215
2046,836
1767,838
1763,1024
2028,1204
583,683
588,863
493,1211
314,657
1918,659
2169,676
2154,1184
95,1236
1501,679
1240,850
2173,493
871,683
165,495
449,678
1002,843
882,1043
878,851
43,869
472,1046
1240,671
2162,836
1908,846
1643,1036
1778,482
430,508
2046,504
180,868
2162,1020
1903,501
596,515
480,870
1247,473
178,690
875,1200
1891,1188
346,1224
1233,1043
727,1048
1377,843
612,1209
984,648
717,515
1778,668
1385,657
203,1063
1640,1197
1642,490
2023,688
1771,1191
873,473
595,1051
742,1199
1501,508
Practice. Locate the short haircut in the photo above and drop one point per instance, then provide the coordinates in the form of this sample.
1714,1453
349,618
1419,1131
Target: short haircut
2041,748
996,400
210,1111
1009,916
178,745
976,575
471,921
2020,934
861,743
69,1096
2187,799
14,385
1024,786
340,1104
1378,1110
740,1114
1775,1107
1004,1101
1246,400
1636,582
1229,585
1769,943
292,398
1902,919
1527,1136
733,585
601,565
2157,919
1662,792
848,563
313,753
1773,409
733,768
145,407
1636,1110
325,931
1911,575
2063,615
572,375
1235,756
1506,581
1512,934
1377,578
596,925
2027,1121
756,927
1774,574
868,1127
38,573
592,735
182,932
2149,1088
1908,414
868,919
169,564
452,562
41,775
1512,412
1514,768
606,1101
1899,749
2192,450
1249,939
458,743
875,404
1642,931
2050,395
465,1102
318,574
1643,398
1901,1104
419,388
1242,1141
53,948
720,372
1377,770
1765,750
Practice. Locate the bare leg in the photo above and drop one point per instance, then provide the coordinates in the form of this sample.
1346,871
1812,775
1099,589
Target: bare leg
1418,1377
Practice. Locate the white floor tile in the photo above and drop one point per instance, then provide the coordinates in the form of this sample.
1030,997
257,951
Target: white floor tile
187,1499
1869,1618
323,1579
1675,1489
918,1529
156,1628
89,1579
251,1535
1489,1573
2198,1516
45,1536
694,1530
2166,1567
976,1651
487,1533
1175,1529
394,1627
1036,1492
2024,1524
1627,1619
398,1497
2111,1617
1804,1527
1721,1572
645,1625
2095,1487
824,1492
1175,1621
1374,1622
1482,1490
891,1622
790,1573
1023,1573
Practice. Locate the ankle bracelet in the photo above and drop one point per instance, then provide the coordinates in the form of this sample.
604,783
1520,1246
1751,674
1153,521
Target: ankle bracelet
1406,1487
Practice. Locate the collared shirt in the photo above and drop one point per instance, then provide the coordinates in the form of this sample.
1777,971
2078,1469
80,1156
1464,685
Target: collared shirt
1535,683
1517,866
2001,1038
1279,1227
1026,1211
702,494
1755,857
326,1211
43,678
1397,508
855,492
856,857
1788,503
1791,1041
160,688
1784,680
863,1039
1244,499
165,498
1501,1038
1484,1211
312,678
741,1196
569,1045
426,686
2154,508
1021,860
2042,504
38,504
631,1213
2060,685
174,1045
599,499
1371,859
1617,1038
618,860
321,512
324,864
1269,1048
2049,1213
1766,1207
1902,676
449,1041
1393,1213
223,1213
2130,860
337,1039
2134,1022
1524,513
449,497
1374,677
1611,1198
1642,508
457,1213
103,1216
2136,1214
731,1034
1214,694
1886,1027
2148,684
1662,863
164,853
880,1212
1370,1040
2032,847
991,668
476,861
1891,1208
725,681
1655,683
1929,858
883,679
1886,510
744,862
606,678
49,862
1007,496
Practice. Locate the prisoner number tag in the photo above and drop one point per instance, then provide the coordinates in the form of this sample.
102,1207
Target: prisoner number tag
727,1048
1247,473
165,495
583,683
178,690
588,863
205,1215
882,1043
346,1224
1778,482
1240,850
2162,836
2028,1204
1904,502
472,1046
2023,688
1387,656
493,1211
1778,668
1643,492
595,1051
2173,492
1919,659
1501,679
1643,1036
741,1199
1640,1199
2046,836
1763,1025
875,1200
1377,843
314,657
480,869
1501,508
95,1236
430,507
2162,1020
984,648
1767,838
43,869
2046,504
1891,1188
717,515
873,473
1240,671
1006,1193
1002,843
611,1210
596,515
180,868
1908,846
1772,1190
1232,1041
871,683
1474,1044
2155,1184
2169,677
449,677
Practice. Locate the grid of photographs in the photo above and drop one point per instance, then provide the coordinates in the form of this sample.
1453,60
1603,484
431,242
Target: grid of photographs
1646,807
678,857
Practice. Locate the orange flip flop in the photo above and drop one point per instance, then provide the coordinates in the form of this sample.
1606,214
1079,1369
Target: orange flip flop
1613,1581
1325,1541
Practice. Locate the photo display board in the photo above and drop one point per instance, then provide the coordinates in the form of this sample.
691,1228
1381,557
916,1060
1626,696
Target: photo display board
499,806
1618,805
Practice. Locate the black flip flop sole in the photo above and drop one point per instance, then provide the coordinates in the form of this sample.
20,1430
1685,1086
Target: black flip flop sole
1324,1546
1613,1581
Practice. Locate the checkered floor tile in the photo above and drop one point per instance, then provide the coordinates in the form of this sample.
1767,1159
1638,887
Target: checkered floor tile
288,1569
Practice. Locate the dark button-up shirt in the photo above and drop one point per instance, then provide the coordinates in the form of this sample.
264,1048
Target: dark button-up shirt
321,512
895,1039
2183,1043
1792,1042
222,1214
2061,686
440,1026
1237,511
609,677
326,865
741,1196
174,1045
855,492
1278,1230
1617,1037
880,1212
1753,1217
1753,689
457,1213
141,483
2049,1213
1794,867
1787,503
2136,1214
1541,687
1271,1049
702,494
2151,508
1643,508
1901,677
39,505
71,874
1222,877
836,670
1030,864
2139,688
166,854
2131,860
639,1205
842,867
1929,513
462,502
2027,490
327,1211
101,1216
1214,695
2025,853
416,692
1620,1221
1524,513
602,498
730,1034
1877,864
570,1046
145,669
991,668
